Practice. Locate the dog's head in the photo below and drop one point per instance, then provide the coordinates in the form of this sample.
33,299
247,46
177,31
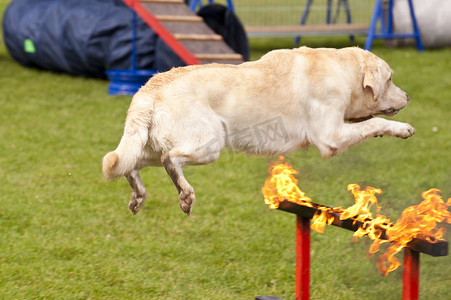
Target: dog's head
381,95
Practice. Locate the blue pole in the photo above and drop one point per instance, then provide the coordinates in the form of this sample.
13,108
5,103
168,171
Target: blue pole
329,10
230,5
193,4
372,29
303,19
390,17
348,17
348,12
415,27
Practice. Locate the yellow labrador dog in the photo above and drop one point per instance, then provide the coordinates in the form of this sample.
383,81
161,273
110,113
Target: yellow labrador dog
289,99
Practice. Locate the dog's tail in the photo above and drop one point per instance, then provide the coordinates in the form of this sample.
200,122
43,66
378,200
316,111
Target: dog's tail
124,159
109,165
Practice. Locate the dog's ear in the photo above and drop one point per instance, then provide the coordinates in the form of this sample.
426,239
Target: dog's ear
371,79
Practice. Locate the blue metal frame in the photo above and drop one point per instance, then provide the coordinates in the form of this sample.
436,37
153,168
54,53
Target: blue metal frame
128,82
347,9
297,39
386,26
306,12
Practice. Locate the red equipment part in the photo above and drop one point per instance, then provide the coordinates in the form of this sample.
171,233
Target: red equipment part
411,274
302,258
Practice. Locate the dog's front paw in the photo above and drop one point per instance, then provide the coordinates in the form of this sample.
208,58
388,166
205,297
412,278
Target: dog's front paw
402,130
136,202
187,199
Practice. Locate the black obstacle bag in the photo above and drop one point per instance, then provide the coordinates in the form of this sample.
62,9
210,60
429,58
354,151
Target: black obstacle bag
224,22
80,37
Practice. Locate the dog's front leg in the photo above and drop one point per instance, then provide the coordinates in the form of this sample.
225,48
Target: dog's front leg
380,127
139,193
347,135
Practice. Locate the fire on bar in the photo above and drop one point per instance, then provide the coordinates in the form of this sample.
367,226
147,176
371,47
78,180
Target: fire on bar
433,248
416,229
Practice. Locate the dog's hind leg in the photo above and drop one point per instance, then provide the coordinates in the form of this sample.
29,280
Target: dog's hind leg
139,193
175,160
173,166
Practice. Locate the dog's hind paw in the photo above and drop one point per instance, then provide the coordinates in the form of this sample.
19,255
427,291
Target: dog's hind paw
136,203
187,199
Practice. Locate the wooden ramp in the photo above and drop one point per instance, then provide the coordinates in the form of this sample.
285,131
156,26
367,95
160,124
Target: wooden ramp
184,32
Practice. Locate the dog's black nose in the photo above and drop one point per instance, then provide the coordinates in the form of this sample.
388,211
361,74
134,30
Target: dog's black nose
407,96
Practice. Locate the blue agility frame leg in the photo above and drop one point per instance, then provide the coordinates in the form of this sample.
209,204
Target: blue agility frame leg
347,9
386,26
128,82
297,39
329,19
348,15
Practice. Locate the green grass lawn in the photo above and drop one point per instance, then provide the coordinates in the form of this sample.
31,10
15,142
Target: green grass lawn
65,233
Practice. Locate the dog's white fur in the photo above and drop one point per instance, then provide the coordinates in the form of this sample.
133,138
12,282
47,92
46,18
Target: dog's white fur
288,99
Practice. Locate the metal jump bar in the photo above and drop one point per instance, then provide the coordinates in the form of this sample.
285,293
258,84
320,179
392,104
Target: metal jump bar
305,213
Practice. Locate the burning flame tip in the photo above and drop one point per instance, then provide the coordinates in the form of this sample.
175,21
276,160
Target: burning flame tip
281,185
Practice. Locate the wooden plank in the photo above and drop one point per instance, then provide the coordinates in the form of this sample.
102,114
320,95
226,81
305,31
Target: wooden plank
331,29
198,37
171,18
204,47
163,1
164,8
162,32
188,27
219,56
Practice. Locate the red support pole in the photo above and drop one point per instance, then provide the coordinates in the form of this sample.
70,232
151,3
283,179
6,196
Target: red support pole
411,274
302,258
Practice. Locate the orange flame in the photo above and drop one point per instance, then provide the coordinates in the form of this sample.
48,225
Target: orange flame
364,200
419,221
321,219
282,185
